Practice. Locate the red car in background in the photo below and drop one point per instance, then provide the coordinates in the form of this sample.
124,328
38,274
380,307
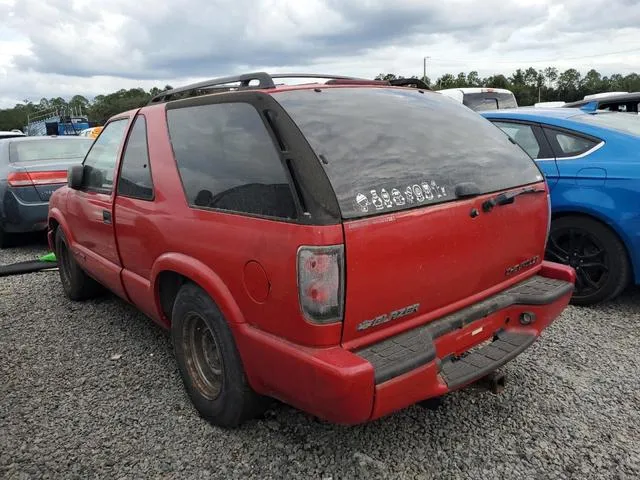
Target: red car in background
349,247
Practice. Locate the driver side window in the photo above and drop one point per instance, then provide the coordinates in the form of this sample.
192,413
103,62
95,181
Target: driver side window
100,162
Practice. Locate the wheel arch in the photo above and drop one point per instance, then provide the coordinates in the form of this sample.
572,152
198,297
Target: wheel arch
56,220
171,270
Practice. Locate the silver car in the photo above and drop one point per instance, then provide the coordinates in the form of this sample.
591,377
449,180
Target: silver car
31,169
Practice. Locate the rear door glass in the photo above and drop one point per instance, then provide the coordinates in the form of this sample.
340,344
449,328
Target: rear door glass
523,135
387,149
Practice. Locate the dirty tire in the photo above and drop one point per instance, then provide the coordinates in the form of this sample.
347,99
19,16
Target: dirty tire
209,362
613,256
77,285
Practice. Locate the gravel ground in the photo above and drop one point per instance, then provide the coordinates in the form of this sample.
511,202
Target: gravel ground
91,390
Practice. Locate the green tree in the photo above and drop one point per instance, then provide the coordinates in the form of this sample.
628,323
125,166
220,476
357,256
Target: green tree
446,81
551,76
473,80
496,81
569,83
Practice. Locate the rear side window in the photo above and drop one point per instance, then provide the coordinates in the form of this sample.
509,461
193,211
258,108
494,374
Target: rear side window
135,173
565,144
387,149
227,160
523,135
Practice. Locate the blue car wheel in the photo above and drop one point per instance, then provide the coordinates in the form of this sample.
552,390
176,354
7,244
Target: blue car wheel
595,252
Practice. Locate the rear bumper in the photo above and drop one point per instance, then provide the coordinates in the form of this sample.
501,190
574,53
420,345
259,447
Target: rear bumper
351,387
20,216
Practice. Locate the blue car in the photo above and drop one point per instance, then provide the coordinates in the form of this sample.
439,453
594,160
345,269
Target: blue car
591,161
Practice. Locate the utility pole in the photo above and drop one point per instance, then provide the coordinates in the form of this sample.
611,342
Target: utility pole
424,69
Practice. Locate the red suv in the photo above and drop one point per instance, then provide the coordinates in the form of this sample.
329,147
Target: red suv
349,247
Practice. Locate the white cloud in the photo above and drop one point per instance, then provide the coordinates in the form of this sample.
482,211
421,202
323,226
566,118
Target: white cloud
64,47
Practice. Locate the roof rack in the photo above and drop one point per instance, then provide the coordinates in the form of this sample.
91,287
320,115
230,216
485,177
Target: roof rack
407,82
265,80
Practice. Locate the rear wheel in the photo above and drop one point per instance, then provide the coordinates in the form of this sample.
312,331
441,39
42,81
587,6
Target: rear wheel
595,252
209,361
77,285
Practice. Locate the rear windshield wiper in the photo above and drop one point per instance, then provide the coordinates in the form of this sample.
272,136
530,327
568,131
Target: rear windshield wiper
508,197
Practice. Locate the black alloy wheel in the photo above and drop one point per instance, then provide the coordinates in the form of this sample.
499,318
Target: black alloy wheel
595,252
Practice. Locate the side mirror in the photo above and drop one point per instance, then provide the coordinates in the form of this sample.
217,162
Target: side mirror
74,176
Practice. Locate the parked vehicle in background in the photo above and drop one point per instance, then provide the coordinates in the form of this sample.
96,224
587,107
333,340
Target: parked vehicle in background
548,104
57,121
11,133
610,101
592,165
92,132
481,99
347,267
31,169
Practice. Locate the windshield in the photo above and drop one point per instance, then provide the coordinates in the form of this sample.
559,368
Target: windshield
387,149
489,101
623,122
50,149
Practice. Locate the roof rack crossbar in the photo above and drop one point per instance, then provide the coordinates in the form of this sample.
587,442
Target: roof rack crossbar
263,78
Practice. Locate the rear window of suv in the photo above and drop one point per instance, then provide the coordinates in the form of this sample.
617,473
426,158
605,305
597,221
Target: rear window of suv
489,101
388,149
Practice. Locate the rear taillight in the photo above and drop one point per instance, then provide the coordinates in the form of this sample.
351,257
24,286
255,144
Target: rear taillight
321,283
22,179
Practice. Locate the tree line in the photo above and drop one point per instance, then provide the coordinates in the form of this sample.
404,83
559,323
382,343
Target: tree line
529,86
97,110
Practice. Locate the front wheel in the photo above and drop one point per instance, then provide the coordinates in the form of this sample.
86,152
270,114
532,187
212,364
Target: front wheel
595,252
209,361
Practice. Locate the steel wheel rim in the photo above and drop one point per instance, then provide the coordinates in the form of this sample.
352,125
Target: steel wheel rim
65,264
204,362
585,253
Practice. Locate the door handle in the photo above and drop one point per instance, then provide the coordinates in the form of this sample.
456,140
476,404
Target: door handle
106,216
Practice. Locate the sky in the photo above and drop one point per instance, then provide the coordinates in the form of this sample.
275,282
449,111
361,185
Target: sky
51,48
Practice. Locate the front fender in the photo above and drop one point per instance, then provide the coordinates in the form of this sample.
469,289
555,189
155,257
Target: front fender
200,274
